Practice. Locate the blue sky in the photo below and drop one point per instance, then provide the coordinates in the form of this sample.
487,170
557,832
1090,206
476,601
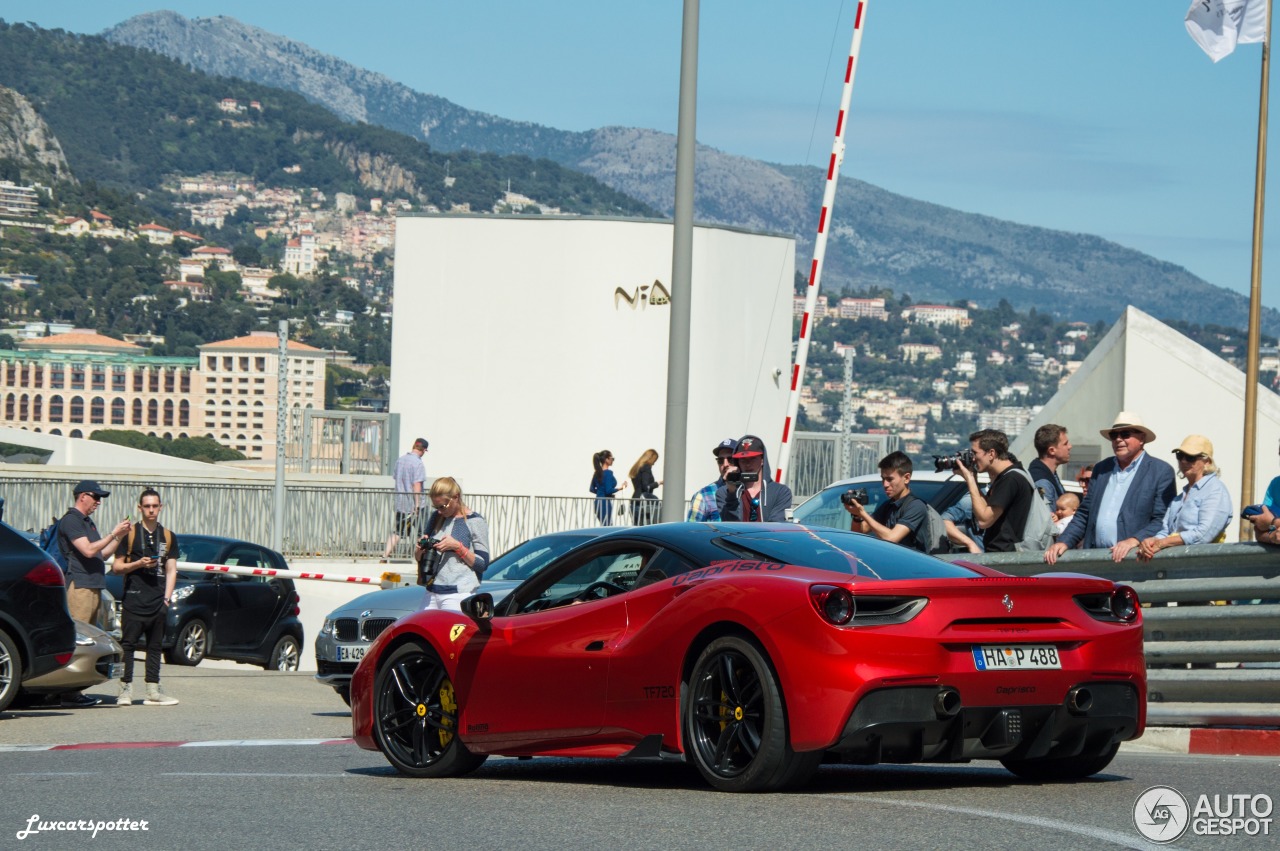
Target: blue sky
1093,116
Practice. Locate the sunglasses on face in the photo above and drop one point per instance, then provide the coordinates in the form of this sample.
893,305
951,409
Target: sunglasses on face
1182,456
1122,434
444,504
724,459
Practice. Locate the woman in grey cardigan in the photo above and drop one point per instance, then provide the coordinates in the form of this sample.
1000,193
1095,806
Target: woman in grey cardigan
461,542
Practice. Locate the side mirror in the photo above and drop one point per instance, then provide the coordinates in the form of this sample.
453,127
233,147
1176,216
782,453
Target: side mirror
478,607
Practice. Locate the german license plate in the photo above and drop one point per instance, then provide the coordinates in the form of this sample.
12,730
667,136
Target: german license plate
350,654
1015,657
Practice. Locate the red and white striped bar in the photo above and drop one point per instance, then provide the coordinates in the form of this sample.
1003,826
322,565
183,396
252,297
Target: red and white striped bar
820,248
282,574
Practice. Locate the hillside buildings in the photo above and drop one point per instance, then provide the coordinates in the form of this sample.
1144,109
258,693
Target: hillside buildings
79,382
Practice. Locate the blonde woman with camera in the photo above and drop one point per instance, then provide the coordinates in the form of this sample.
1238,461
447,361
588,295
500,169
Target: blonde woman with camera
454,552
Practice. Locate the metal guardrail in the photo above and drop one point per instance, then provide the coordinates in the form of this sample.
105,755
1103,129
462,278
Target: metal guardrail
1209,611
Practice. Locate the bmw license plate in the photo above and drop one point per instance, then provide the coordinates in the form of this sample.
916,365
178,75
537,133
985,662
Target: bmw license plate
1015,657
350,654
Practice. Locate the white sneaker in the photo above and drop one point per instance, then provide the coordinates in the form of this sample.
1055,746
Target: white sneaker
156,698
126,695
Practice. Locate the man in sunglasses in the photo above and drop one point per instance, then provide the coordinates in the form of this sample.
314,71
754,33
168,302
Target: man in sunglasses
703,507
85,550
1128,495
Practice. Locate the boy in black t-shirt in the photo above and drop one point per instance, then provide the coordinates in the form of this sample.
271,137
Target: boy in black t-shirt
149,562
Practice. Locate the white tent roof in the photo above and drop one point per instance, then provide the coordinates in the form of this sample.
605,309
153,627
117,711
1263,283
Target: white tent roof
1177,386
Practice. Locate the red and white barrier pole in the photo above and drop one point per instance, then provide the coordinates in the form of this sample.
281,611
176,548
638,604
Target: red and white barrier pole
282,574
820,246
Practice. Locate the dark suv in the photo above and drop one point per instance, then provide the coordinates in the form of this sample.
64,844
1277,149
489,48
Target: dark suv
36,632
224,616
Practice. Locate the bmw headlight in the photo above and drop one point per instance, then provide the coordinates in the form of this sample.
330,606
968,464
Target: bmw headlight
327,627
182,592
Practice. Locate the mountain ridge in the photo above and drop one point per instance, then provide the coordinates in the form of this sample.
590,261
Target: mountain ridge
878,240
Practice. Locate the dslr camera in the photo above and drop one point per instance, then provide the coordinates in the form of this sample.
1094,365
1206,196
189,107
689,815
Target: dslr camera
947,463
858,495
429,564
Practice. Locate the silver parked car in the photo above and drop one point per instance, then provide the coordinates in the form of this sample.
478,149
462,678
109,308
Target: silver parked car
350,629
97,658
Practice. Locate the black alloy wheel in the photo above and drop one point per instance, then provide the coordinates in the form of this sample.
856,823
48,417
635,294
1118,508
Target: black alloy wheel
735,725
415,716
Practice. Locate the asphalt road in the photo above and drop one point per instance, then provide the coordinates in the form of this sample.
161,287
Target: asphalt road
288,790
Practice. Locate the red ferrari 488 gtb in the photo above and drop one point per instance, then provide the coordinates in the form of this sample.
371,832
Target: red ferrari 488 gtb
756,652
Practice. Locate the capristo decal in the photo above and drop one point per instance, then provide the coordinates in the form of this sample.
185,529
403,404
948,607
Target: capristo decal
722,568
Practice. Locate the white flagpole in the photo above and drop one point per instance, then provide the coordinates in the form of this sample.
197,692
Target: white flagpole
820,247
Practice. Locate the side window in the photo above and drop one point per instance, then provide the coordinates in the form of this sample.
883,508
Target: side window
243,557
593,576
664,565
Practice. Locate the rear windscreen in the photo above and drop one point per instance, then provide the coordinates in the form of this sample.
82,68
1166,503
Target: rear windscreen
847,553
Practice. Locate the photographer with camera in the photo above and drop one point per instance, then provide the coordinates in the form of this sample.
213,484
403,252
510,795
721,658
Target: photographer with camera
901,516
454,552
748,494
1002,512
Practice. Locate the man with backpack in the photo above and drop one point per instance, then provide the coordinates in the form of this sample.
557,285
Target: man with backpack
149,562
85,550
1003,511
903,518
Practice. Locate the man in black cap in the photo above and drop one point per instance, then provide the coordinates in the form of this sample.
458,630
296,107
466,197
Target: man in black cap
85,551
749,493
702,507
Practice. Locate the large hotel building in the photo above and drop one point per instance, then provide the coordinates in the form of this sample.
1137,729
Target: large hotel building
78,383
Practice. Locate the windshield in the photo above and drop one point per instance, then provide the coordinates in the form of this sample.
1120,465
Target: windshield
528,558
196,550
825,509
848,553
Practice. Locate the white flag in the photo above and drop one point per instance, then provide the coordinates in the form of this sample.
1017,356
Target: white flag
1218,25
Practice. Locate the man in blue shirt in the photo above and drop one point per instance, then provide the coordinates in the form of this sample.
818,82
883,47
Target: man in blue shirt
703,507
409,475
1128,497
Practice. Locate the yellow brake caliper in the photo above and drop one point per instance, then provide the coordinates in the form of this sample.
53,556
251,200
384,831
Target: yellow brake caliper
449,709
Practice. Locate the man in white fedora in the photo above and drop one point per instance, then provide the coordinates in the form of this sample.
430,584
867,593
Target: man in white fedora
1128,495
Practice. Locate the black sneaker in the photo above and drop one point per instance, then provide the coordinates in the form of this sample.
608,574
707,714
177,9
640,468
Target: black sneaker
79,701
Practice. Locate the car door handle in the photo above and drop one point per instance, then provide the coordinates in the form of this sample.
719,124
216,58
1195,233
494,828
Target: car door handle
595,645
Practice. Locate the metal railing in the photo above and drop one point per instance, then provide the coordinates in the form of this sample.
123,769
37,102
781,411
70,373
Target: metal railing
321,521
1211,613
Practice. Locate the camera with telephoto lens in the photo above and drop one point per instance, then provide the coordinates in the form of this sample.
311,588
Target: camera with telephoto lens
429,564
946,463
858,495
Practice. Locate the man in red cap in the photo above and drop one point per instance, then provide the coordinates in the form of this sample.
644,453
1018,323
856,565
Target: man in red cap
748,493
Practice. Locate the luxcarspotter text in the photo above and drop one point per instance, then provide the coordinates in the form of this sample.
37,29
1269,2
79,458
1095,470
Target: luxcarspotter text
34,825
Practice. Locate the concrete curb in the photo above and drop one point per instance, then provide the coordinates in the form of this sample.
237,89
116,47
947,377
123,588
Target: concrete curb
1207,741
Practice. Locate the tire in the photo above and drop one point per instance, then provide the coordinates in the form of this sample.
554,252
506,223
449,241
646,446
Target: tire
415,716
285,656
735,725
191,645
1064,768
10,670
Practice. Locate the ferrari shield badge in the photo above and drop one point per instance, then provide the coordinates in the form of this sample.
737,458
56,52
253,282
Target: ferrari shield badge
456,630
1008,603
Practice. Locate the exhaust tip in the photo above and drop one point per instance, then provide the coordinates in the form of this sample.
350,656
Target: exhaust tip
946,703
1079,700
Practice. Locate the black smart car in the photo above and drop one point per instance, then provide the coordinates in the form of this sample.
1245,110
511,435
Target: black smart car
223,616
36,632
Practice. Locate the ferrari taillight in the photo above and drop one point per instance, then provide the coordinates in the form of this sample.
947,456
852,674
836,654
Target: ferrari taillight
1119,605
46,573
835,604
1124,603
